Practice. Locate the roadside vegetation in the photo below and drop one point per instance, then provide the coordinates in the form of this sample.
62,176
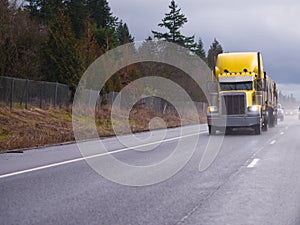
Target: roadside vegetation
22,128
56,41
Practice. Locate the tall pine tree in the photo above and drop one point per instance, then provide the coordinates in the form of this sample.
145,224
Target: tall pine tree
44,10
199,50
77,11
61,53
123,33
213,52
173,22
89,46
100,12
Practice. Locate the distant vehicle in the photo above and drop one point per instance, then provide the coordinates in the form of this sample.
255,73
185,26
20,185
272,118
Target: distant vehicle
299,113
280,112
291,112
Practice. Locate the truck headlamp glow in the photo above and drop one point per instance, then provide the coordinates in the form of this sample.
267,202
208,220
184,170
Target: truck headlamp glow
213,109
253,108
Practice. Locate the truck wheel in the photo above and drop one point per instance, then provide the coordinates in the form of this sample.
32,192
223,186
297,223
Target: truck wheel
228,130
265,124
273,121
271,118
265,127
257,129
211,130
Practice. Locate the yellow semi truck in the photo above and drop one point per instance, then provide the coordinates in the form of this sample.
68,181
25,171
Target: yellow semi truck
242,94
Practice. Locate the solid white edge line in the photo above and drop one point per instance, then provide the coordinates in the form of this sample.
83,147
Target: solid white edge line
253,163
94,156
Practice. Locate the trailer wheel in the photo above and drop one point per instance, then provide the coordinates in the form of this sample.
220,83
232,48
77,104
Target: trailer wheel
271,118
264,124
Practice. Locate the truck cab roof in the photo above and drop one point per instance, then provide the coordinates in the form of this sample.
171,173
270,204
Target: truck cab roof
241,62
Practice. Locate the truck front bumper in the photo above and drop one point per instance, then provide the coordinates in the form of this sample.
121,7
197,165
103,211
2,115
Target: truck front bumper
217,120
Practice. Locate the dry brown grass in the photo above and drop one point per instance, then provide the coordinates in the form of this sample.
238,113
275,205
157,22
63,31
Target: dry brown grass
22,128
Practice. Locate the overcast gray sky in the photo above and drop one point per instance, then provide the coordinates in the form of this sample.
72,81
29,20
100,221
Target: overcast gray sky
269,26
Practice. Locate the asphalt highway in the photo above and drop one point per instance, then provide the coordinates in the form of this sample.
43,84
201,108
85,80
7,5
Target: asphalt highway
255,179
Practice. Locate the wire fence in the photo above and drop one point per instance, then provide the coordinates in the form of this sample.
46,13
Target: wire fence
90,97
15,92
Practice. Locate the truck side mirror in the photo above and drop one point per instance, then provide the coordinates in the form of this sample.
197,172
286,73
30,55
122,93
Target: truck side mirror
258,84
212,88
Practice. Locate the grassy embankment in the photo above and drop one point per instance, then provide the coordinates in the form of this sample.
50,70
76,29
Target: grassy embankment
22,128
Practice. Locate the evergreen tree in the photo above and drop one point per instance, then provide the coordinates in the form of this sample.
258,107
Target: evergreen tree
199,50
33,6
130,72
173,21
100,12
213,52
77,11
106,39
44,10
123,33
89,46
61,53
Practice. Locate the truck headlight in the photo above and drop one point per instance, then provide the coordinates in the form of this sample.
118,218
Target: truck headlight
212,109
253,108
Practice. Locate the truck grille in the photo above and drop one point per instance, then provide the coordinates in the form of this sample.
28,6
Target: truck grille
233,104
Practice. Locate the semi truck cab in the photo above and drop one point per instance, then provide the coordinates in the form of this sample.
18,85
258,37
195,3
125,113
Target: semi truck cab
244,95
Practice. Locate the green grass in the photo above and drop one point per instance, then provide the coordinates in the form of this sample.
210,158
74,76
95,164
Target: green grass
4,137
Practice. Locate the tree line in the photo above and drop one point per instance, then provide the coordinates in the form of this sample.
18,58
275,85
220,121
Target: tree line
287,100
56,40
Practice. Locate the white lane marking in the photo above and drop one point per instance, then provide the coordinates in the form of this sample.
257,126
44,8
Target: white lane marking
282,133
273,142
253,163
94,156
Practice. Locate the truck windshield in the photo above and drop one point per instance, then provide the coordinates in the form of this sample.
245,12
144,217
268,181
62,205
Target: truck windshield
236,86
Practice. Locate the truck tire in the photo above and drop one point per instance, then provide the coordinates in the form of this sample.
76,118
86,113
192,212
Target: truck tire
265,127
271,121
257,129
264,124
228,130
211,130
